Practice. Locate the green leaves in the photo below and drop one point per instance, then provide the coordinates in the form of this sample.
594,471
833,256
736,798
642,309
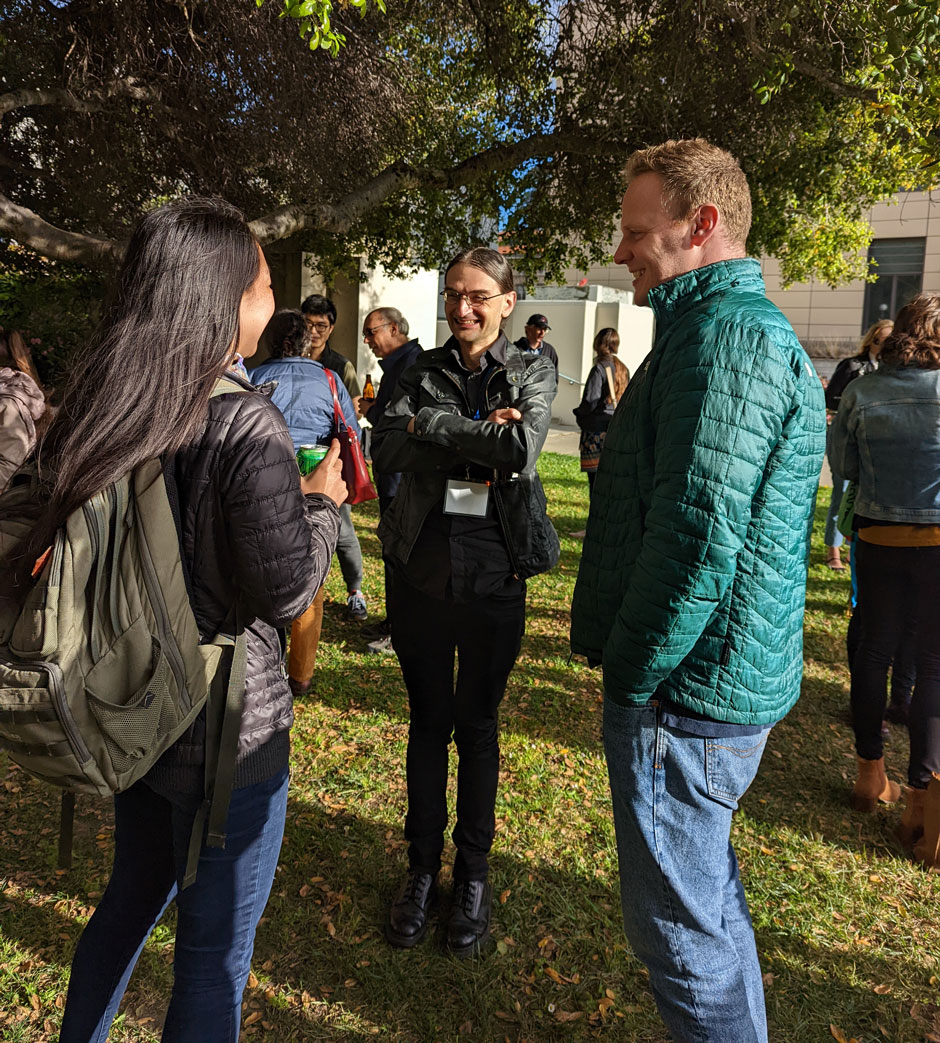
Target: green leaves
314,18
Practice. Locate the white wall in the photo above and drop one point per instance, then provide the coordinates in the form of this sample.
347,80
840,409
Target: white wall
635,326
571,334
574,324
415,296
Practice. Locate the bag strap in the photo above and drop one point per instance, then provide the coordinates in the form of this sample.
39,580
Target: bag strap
609,370
339,420
225,385
221,755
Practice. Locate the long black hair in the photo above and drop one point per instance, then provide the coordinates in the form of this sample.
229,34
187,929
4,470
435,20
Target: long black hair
141,388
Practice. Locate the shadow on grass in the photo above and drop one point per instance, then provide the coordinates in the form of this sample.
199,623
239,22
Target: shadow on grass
560,950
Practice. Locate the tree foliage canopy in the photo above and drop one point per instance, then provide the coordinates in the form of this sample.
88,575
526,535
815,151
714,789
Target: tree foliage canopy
437,123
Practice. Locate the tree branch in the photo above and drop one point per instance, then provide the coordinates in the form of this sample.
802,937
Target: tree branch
339,217
59,97
813,72
31,230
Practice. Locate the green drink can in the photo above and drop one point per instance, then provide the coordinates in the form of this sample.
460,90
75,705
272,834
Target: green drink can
309,456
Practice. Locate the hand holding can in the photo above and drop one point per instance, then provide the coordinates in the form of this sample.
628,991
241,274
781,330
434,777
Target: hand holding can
327,478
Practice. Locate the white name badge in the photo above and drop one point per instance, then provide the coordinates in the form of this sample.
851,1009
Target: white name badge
467,499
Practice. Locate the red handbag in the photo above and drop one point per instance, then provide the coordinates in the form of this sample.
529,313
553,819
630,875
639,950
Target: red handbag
355,470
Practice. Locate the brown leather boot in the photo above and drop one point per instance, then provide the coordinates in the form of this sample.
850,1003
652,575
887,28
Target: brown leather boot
927,849
911,827
873,785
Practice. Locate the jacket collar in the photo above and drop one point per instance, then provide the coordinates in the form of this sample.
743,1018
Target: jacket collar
496,352
672,299
398,355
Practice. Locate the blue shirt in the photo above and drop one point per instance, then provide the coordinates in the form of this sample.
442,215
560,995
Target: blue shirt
304,398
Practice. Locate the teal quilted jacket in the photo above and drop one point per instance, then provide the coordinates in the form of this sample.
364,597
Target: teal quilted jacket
693,576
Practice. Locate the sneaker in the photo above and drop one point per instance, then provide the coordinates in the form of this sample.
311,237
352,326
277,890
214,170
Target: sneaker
381,645
356,606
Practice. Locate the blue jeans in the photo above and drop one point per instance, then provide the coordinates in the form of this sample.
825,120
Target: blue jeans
832,536
684,909
217,915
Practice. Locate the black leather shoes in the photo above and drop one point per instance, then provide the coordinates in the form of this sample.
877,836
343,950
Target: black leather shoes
468,931
408,917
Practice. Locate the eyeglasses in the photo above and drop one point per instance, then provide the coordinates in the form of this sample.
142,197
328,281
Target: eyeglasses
472,299
320,327
369,331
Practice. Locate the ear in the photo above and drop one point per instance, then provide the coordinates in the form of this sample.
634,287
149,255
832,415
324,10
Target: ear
509,302
705,223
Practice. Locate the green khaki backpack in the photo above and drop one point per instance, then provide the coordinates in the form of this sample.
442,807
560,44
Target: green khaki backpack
102,668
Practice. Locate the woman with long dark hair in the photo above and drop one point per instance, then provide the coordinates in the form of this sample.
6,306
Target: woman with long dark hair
194,291
463,533
886,437
603,389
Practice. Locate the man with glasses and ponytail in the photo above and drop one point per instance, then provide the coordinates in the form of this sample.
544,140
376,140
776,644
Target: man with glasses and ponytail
465,530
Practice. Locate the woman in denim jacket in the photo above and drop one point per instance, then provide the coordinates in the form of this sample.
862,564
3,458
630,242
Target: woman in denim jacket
886,437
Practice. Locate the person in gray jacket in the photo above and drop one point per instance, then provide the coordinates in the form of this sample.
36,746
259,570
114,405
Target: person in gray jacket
465,530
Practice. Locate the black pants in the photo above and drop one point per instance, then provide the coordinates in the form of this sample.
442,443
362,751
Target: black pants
897,583
485,635
384,503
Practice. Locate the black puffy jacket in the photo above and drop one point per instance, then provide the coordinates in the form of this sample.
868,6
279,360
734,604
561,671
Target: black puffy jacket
248,534
446,440
847,370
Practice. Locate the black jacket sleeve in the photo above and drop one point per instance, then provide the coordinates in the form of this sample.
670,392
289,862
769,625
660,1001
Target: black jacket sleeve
845,373
595,388
443,436
281,541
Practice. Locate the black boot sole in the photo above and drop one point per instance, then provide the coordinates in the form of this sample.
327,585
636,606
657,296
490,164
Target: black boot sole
404,941
478,947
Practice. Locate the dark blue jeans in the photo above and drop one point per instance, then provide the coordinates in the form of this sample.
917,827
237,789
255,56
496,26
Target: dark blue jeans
217,915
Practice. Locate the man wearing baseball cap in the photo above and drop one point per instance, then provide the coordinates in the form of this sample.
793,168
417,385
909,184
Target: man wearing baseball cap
534,340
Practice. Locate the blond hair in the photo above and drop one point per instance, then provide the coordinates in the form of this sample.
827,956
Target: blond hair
871,333
695,172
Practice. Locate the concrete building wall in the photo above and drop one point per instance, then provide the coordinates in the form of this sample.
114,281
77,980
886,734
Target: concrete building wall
415,296
819,313
574,324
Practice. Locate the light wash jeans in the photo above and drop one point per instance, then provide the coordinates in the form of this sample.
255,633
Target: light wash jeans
684,909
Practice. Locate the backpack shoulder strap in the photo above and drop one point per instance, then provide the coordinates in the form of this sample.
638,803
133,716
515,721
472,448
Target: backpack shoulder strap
225,386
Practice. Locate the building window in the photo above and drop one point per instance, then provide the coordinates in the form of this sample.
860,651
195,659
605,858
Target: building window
899,264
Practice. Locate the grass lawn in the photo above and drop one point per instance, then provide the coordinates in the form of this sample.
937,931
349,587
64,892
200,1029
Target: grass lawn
847,929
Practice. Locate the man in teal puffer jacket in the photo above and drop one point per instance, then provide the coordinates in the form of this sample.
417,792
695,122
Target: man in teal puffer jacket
693,578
